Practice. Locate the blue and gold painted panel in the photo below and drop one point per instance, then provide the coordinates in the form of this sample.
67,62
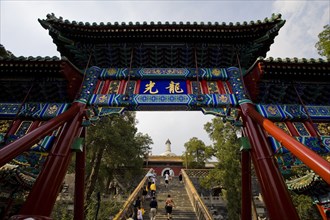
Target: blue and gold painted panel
4,128
154,87
323,129
164,73
301,128
196,87
283,126
293,112
164,87
23,128
287,161
319,145
9,110
191,101
212,87
32,110
272,112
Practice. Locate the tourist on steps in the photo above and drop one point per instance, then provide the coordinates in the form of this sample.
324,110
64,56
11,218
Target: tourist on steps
166,179
144,193
180,177
153,189
169,205
153,208
139,214
137,202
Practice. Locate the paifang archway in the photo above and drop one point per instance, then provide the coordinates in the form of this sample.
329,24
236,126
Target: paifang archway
213,68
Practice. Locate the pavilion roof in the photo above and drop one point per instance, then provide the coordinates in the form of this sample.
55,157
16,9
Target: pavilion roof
43,79
278,80
159,158
162,44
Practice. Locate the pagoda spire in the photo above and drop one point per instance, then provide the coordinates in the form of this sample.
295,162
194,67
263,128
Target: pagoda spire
168,146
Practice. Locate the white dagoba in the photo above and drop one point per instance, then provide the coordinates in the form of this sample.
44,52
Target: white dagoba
168,152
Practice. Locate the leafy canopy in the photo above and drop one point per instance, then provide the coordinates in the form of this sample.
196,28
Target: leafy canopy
227,173
323,45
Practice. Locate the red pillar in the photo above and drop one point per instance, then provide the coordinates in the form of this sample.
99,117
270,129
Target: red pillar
12,150
43,195
274,190
246,212
306,155
79,190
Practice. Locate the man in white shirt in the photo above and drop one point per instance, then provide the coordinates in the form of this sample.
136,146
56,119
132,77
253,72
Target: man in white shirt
166,179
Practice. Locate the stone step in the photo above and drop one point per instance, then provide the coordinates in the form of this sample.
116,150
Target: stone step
183,209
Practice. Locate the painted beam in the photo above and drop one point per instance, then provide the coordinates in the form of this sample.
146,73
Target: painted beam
307,156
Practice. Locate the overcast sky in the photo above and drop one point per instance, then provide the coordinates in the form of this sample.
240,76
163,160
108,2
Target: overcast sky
21,33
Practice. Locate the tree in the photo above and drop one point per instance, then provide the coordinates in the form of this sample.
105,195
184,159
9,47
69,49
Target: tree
305,208
196,153
227,173
323,45
114,148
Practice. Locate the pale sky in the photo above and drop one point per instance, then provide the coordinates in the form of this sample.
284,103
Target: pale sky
21,33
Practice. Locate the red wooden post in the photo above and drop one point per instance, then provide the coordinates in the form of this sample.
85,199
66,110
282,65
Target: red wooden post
79,190
246,212
12,150
43,195
274,190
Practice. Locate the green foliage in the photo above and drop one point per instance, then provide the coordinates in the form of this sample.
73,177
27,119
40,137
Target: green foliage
61,212
227,173
305,208
123,146
115,153
107,208
323,45
196,153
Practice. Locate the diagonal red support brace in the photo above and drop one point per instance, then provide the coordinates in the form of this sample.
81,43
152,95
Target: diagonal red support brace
43,195
306,155
12,150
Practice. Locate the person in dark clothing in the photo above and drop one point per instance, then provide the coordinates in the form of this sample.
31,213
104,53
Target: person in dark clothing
153,208
137,202
180,177
144,193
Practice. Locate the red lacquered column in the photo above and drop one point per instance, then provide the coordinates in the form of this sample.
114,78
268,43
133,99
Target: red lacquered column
43,195
79,190
246,212
274,190
12,150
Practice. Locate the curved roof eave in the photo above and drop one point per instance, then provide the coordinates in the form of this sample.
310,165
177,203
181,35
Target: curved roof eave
76,40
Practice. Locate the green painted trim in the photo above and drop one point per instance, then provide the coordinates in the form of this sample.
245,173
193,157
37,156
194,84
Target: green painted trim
78,144
245,144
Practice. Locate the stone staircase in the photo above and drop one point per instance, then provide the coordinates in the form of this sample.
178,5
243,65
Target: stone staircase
183,208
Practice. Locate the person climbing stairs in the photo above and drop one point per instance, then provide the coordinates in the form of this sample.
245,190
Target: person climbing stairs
183,209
